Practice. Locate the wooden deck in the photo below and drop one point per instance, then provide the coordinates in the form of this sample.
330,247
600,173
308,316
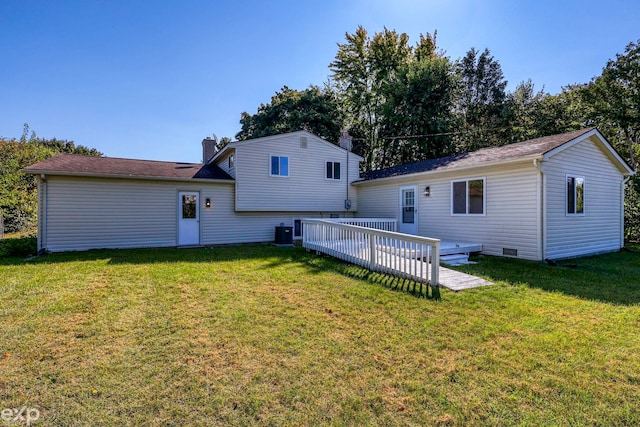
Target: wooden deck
416,258
450,279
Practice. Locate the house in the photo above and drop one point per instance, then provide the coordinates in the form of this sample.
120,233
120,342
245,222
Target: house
237,195
553,197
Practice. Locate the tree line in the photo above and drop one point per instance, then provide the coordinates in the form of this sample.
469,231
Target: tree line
406,102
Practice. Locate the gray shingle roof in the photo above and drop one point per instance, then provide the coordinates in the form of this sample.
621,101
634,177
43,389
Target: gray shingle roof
530,148
74,164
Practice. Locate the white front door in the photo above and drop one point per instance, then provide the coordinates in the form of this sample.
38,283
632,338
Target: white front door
408,212
188,218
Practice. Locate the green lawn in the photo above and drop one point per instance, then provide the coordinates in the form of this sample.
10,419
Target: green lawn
276,336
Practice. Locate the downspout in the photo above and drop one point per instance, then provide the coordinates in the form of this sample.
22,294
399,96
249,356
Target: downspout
622,187
347,187
542,204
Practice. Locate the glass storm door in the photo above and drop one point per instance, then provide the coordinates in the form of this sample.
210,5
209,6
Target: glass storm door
188,218
408,212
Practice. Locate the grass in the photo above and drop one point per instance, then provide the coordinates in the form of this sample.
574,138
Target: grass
276,336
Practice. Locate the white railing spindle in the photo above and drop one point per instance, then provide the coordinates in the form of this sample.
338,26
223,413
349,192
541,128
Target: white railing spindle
403,255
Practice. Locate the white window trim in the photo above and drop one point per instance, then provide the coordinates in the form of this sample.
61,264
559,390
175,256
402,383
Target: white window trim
325,170
288,166
484,196
584,196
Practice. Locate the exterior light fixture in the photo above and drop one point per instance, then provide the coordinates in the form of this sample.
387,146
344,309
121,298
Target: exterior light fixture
427,191
207,202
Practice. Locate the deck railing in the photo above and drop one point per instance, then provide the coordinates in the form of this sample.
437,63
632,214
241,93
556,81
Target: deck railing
387,224
402,255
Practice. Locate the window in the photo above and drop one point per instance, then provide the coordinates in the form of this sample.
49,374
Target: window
189,208
279,166
232,161
575,195
333,170
467,197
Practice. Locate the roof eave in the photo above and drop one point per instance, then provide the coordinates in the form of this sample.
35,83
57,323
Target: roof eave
452,170
120,176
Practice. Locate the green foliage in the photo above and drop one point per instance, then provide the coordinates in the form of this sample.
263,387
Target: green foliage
312,109
418,102
18,246
482,106
632,210
615,98
18,198
361,69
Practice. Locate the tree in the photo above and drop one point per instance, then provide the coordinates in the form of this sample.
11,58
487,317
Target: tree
418,114
563,112
362,66
313,109
482,101
615,97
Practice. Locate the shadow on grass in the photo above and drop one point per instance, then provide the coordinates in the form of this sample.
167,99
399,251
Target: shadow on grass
163,255
327,263
266,255
613,278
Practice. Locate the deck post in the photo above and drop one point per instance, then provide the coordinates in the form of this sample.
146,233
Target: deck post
435,264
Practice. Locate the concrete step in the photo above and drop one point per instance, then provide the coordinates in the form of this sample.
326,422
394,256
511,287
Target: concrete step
457,259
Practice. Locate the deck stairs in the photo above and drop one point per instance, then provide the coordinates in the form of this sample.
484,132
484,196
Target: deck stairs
456,253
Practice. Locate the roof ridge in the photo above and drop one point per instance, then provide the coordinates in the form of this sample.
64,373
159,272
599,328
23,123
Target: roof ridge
125,158
511,151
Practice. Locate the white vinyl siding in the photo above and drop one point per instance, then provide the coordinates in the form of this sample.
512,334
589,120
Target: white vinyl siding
306,188
598,229
89,213
510,208
85,213
228,164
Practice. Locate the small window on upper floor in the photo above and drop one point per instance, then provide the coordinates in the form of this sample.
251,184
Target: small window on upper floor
333,170
575,195
279,166
232,161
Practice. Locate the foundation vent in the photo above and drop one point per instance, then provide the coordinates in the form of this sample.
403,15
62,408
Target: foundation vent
509,252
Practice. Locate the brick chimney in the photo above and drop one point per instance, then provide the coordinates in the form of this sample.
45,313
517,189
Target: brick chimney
345,141
209,148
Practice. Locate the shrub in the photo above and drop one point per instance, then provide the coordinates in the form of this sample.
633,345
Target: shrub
18,246
632,211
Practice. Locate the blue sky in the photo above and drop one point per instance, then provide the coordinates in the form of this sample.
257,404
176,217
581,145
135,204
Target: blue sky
150,79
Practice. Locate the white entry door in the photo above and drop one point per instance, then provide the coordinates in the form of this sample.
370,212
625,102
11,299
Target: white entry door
408,211
188,218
